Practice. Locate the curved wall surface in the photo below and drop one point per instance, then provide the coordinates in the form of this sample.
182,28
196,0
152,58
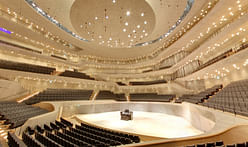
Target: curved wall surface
205,119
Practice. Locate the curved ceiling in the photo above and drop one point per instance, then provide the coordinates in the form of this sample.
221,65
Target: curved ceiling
113,27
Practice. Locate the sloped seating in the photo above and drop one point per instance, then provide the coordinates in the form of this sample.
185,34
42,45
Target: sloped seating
16,114
151,97
59,95
233,98
200,97
14,141
25,67
64,134
75,74
108,95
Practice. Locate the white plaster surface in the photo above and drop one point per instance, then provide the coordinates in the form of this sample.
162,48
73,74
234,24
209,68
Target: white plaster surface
146,123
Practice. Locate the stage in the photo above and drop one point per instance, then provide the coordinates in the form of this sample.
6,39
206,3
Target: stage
146,123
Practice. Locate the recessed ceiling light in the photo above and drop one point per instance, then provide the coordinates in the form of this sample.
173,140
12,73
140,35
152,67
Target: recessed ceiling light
134,31
124,30
126,23
89,23
81,26
138,26
141,36
145,22
142,14
96,18
100,36
110,38
114,1
131,40
128,35
134,36
106,17
144,31
128,13
146,34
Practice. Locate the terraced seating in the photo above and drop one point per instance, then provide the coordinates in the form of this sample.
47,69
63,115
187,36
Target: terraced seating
15,114
64,133
25,67
108,95
200,97
232,98
75,74
60,95
151,97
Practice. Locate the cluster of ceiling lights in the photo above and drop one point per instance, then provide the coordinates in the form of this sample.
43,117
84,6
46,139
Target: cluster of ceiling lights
37,29
134,35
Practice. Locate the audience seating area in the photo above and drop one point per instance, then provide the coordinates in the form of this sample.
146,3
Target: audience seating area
60,95
149,82
233,98
14,141
64,133
200,97
15,114
219,144
107,95
25,67
151,97
75,74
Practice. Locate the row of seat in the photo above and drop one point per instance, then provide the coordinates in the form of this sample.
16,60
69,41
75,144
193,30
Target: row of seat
64,133
15,114
219,144
108,95
60,95
25,67
14,141
151,97
200,97
233,98
75,74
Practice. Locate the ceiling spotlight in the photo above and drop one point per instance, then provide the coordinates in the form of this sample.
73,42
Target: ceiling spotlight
110,38
128,35
106,17
144,31
142,14
100,36
128,13
138,26
126,23
124,30
146,34
134,31
96,18
89,23
114,1
145,22
81,26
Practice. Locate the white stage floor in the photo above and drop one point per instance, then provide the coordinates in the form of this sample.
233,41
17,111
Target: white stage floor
146,123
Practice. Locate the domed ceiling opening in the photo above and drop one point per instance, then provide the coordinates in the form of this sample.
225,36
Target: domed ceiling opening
113,23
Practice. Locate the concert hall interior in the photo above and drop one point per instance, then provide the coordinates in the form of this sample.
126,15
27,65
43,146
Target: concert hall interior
131,73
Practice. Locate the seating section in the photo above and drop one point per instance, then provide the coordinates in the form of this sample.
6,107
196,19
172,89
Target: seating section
25,67
219,144
208,144
200,97
60,95
233,98
14,141
75,74
15,114
151,97
149,82
108,95
64,133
